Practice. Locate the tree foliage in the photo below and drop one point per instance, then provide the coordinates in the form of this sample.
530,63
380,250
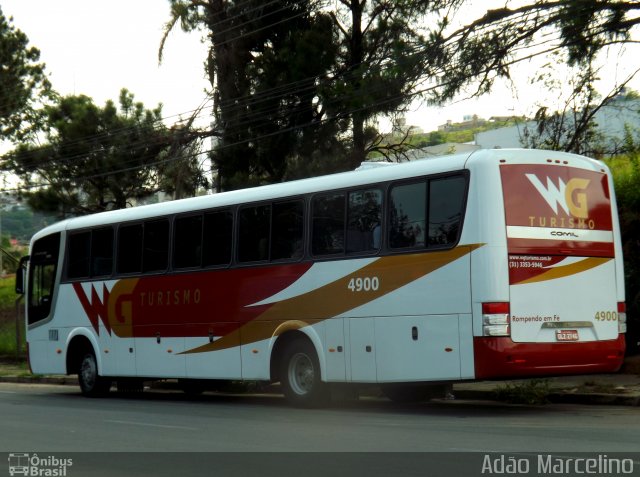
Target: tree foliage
95,158
23,83
265,64
382,59
569,124
22,223
488,47
627,184
295,84
573,35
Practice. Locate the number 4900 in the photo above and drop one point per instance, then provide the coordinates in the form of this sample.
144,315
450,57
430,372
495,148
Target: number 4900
364,284
606,316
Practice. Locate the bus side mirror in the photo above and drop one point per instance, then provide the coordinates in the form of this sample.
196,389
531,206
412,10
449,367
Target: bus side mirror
20,275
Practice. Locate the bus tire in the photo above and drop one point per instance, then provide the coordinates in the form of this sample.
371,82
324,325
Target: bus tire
91,383
300,376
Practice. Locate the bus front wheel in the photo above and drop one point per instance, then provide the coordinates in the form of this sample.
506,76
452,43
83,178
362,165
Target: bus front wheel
300,376
91,383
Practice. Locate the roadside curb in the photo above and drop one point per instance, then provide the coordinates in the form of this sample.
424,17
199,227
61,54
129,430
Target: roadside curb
70,380
559,397
595,398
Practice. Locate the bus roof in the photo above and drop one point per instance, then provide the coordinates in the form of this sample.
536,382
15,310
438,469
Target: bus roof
268,192
366,174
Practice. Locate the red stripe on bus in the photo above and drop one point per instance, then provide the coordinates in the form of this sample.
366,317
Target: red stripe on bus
559,247
208,302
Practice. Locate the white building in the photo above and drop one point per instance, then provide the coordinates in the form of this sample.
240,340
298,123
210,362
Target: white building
611,121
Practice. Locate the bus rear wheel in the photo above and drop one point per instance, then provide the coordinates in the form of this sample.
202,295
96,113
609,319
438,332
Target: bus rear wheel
300,376
91,383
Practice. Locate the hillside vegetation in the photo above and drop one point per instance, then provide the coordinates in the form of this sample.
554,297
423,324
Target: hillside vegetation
7,318
626,174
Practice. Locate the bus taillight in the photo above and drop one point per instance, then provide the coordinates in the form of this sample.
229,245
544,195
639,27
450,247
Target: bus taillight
622,317
495,319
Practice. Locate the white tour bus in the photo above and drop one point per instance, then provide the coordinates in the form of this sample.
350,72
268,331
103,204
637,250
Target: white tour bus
488,265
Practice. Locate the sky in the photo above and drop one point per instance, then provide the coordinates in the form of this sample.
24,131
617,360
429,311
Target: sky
95,48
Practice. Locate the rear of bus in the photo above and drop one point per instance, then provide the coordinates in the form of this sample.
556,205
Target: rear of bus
564,311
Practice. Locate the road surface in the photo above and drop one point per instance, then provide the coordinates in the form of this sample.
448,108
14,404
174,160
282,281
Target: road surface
55,420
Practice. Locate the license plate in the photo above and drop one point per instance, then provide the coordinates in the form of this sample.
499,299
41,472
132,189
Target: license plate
567,335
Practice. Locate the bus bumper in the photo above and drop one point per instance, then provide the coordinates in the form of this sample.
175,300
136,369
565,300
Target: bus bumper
503,358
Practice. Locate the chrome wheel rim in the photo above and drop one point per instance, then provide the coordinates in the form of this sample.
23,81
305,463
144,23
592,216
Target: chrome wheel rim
301,374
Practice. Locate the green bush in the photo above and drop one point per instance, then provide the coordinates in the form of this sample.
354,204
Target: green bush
626,175
7,319
534,391
7,293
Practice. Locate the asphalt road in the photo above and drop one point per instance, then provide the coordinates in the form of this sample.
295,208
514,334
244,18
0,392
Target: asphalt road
55,420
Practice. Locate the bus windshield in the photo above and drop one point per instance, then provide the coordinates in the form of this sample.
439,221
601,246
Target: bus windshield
42,273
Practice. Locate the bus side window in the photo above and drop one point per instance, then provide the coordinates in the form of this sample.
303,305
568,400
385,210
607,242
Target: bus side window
363,224
187,246
102,252
79,255
287,230
253,241
446,198
218,233
155,254
130,249
327,236
407,215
